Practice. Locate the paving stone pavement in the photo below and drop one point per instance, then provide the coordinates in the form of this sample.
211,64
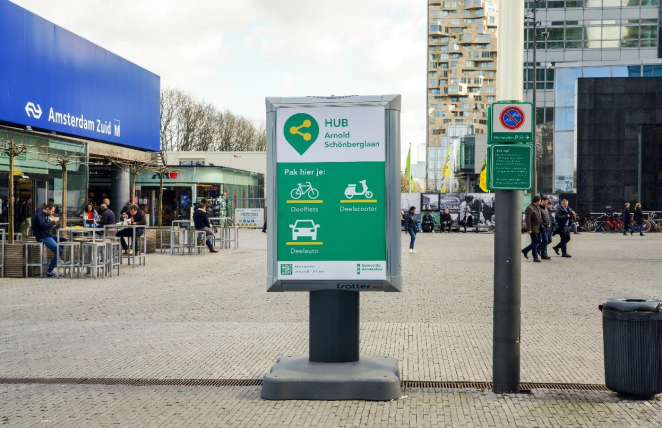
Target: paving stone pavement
210,317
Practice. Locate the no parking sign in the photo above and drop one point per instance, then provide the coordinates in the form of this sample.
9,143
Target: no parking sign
511,123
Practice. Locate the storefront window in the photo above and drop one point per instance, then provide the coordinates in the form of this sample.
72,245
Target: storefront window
36,180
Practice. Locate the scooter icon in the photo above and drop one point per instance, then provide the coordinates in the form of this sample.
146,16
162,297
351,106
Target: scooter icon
350,192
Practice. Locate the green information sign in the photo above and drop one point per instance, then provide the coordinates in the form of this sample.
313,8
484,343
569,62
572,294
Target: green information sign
509,166
332,226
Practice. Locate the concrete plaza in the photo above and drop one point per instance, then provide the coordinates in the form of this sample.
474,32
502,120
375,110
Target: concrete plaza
209,317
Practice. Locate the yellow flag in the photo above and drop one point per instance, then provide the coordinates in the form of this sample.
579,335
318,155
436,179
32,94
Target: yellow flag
483,177
447,164
443,187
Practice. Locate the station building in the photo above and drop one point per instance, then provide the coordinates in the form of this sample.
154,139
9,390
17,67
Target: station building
60,93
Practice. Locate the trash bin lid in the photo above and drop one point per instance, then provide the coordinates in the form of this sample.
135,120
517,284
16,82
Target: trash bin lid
632,305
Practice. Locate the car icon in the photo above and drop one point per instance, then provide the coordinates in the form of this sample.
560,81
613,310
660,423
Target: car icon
304,228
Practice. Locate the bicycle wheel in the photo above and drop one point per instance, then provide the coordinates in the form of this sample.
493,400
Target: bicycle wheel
590,226
295,193
648,225
313,193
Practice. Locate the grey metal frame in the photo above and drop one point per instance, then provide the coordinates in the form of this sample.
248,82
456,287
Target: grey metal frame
2,255
72,263
97,258
392,105
113,257
38,247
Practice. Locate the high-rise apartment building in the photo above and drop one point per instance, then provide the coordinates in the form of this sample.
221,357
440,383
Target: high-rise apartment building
461,77
582,32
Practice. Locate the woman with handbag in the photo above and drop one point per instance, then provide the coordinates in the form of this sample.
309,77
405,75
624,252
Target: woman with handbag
411,226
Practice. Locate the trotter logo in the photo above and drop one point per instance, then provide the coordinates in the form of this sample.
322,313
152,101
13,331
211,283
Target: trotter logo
301,131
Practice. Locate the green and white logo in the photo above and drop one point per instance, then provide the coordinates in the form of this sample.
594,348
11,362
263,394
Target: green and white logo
301,131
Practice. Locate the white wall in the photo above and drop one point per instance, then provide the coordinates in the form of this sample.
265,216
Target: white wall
246,161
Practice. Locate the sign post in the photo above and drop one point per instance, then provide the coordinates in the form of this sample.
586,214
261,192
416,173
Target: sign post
333,167
510,118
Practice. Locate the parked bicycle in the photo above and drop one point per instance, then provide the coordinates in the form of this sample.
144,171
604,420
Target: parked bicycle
652,223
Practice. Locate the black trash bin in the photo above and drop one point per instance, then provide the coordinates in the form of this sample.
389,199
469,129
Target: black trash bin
632,331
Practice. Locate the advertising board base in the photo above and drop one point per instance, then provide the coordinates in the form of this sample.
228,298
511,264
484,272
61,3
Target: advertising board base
297,378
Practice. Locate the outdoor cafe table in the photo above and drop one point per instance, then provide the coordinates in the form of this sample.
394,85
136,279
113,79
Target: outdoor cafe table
133,227
74,231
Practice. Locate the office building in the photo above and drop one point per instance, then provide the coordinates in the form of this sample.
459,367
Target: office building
582,32
461,80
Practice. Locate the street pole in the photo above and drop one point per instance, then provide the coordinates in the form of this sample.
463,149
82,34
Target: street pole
534,191
507,257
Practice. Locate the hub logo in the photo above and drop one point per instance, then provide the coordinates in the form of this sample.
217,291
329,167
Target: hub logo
301,131
33,111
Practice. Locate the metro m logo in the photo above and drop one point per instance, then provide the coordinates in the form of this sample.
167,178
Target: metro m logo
33,111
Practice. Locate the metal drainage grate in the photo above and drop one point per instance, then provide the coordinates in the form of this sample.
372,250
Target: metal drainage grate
524,386
407,384
134,382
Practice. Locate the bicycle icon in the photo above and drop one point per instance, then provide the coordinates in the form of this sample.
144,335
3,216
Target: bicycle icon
303,189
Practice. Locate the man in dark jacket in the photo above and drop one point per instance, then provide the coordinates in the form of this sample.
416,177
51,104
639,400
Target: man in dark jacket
42,223
201,222
107,216
467,221
626,217
428,223
563,215
135,216
446,221
533,221
546,229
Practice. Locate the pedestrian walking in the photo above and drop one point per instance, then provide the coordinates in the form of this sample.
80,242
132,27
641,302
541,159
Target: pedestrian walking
533,221
411,226
546,228
639,219
626,217
563,216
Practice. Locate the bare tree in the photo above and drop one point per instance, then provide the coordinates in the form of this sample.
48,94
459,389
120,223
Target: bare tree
190,124
161,169
64,158
12,150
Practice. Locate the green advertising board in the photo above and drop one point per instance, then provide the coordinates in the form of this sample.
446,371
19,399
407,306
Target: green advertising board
509,166
334,217
510,122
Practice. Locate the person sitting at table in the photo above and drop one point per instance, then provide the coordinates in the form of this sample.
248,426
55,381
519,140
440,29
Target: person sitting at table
42,223
135,216
90,216
201,222
107,216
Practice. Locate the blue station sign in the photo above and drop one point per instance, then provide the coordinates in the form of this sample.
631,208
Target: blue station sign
54,80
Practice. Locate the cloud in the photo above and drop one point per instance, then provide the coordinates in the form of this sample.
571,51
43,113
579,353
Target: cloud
235,53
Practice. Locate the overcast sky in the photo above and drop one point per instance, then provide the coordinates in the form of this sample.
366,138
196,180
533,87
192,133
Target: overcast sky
234,53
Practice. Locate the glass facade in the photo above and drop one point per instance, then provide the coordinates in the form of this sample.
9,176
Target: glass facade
225,188
36,180
565,135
